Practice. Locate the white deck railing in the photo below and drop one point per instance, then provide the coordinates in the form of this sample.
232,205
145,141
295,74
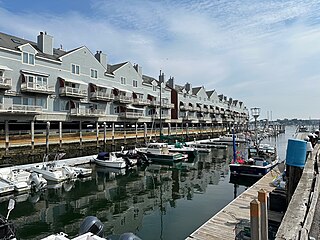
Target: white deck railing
101,95
5,82
70,91
20,108
36,87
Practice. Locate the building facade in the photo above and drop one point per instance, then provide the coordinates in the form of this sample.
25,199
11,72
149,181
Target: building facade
42,83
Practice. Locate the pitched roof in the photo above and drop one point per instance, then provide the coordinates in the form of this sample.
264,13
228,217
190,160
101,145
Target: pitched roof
148,79
179,88
112,68
209,93
195,90
11,42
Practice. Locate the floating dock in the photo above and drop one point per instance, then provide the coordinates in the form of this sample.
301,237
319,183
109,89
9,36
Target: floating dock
223,224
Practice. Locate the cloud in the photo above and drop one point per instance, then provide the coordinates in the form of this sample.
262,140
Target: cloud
264,53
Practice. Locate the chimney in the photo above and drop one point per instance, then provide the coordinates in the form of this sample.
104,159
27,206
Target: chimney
188,87
102,58
45,43
170,82
138,69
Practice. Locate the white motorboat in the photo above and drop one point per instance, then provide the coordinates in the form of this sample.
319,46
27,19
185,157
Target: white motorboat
179,147
240,138
159,152
22,180
110,160
53,172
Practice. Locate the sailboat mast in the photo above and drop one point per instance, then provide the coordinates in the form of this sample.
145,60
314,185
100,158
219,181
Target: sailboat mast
161,80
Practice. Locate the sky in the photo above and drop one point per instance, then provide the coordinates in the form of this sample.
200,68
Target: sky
265,53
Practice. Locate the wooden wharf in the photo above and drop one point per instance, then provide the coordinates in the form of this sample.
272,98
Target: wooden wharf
223,224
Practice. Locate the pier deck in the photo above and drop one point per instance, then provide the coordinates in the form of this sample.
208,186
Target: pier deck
222,225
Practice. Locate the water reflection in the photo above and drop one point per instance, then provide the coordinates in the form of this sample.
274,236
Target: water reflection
148,201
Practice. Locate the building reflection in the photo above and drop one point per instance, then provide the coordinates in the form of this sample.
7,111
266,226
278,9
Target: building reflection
120,199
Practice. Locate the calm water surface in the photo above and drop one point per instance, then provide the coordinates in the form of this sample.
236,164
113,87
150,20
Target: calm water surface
156,202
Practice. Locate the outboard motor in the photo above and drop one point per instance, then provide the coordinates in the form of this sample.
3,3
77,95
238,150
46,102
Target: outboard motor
37,181
92,224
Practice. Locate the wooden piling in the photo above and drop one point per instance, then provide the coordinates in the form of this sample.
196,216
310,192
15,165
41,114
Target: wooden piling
97,133
293,175
6,132
136,129
176,129
47,137
32,135
60,134
104,134
80,132
169,129
145,132
262,197
255,220
124,134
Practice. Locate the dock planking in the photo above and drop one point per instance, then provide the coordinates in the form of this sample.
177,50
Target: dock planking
223,224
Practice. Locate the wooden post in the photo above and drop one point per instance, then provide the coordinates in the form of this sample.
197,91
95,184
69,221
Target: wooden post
145,132
6,132
112,134
169,129
293,175
255,220
200,130
104,134
176,129
97,133
136,128
60,134
80,132
47,137
262,197
124,134
32,135
187,131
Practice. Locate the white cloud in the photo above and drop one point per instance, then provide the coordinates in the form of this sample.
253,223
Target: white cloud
264,53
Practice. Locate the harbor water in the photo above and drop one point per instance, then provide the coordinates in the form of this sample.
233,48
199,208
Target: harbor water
154,202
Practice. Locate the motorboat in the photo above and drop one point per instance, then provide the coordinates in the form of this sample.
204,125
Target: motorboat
106,159
52,171
22,180
240,138
261,159
179,147
159,152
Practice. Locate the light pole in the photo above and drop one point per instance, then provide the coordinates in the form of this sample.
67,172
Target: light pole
255,112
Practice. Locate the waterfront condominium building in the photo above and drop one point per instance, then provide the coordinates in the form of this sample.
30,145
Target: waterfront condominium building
42,83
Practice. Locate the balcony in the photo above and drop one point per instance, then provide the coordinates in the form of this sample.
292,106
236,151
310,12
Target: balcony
155,103
167,105
141,102
197,109
36,88
5,83
184,108
88,112
17,108
131,115
163,116
123,99
73,92
101,96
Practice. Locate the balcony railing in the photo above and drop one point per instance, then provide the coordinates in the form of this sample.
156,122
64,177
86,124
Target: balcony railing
184,108
101,96
197,109
155,103
167,105
130,115
163,116
192,109
73,92
34,87
17,108
86,112
139,101
123,99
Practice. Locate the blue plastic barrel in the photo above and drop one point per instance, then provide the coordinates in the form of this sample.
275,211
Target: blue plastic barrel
296,153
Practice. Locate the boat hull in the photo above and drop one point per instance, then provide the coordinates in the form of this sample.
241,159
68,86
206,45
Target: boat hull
250,170
173,157
111,163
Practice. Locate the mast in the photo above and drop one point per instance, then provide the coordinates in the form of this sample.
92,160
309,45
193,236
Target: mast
161,80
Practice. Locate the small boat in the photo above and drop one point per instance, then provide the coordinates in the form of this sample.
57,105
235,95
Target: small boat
260,161
179,147
51,171
159,152
106,159
22,180
240,138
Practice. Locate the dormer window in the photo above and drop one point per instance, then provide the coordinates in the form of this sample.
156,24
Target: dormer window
28,58
75,69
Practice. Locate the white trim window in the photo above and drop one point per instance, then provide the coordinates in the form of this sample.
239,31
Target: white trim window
134,83
75,69
123,80
93,73
28,58
154,88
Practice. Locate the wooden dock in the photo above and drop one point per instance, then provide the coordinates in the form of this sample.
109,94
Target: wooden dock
222,225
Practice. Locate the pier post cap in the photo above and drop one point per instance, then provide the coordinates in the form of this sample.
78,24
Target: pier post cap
262,195
254,208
